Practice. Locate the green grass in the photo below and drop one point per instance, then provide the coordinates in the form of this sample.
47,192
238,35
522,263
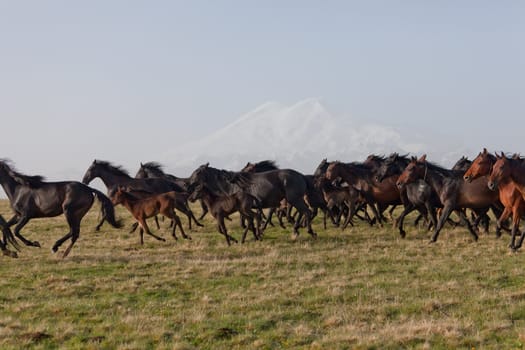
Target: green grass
364,288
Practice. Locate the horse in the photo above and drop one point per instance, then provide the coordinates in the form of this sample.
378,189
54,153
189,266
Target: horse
507,172
453,192
155,170
269,187
361,177
283,209
145,207
31,197
338,197
509,194
7,238
419,195
462,164
220,206
112,176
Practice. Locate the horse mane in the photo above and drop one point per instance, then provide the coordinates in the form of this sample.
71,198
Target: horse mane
114,169
376,158
33,181
438,168
397,157
223,182
265,165
154,167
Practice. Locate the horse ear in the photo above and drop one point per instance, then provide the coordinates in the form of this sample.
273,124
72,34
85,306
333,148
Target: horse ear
485,151
423,158
207,165
141,165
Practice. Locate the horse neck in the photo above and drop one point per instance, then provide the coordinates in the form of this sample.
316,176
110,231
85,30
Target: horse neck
517,173
109,179
8,183
360,174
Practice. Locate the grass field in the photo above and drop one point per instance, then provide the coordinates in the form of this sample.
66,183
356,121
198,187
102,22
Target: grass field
362,288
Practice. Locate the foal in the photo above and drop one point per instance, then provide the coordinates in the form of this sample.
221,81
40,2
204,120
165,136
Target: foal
143,208
222,206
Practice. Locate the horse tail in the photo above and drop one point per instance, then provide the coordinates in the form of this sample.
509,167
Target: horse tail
108,211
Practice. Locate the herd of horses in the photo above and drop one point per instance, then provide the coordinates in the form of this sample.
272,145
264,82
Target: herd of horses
343,192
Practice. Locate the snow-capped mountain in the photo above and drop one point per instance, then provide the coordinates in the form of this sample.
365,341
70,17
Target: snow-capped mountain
296,136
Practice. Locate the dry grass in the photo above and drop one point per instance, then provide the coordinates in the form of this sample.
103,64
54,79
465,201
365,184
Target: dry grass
363,288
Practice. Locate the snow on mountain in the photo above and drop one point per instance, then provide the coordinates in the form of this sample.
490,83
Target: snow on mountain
297,136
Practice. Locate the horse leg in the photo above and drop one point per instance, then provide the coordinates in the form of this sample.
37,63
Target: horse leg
465,220
147,230
224,231
400,220
177,222
97,228
504,216
442,219
204,210
349,216
75,233
134,227
23,220
157,222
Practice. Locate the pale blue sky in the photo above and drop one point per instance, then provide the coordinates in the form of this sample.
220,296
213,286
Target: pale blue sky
127,80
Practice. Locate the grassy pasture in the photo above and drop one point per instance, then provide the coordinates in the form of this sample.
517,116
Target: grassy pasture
362,288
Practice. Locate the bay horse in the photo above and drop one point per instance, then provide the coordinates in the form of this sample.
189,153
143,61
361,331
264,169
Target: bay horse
453,192
31,197
361,177
268,187
509,194
155,170
112,176
220,206
145,207
508,175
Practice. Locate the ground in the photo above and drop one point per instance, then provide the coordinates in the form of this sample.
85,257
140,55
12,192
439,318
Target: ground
362,288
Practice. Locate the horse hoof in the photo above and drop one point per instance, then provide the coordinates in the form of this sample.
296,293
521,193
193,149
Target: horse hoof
9,253
403,234
432,241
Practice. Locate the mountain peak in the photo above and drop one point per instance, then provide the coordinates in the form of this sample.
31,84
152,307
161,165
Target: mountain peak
296,136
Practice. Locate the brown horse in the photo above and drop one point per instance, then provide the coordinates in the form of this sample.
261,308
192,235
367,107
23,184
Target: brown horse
509,194
143,208
510,173
453,192
362,178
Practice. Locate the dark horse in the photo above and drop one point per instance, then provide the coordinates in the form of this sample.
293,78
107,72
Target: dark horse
113,176
453,192
417,195
154,170
8,238
361,176
31,197
268,187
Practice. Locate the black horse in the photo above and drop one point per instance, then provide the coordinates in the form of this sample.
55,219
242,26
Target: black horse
113,176
31,197
151,170
453,192
8,238
419,195
268,187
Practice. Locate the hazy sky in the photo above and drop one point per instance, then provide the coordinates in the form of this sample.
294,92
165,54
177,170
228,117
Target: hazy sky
128,80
